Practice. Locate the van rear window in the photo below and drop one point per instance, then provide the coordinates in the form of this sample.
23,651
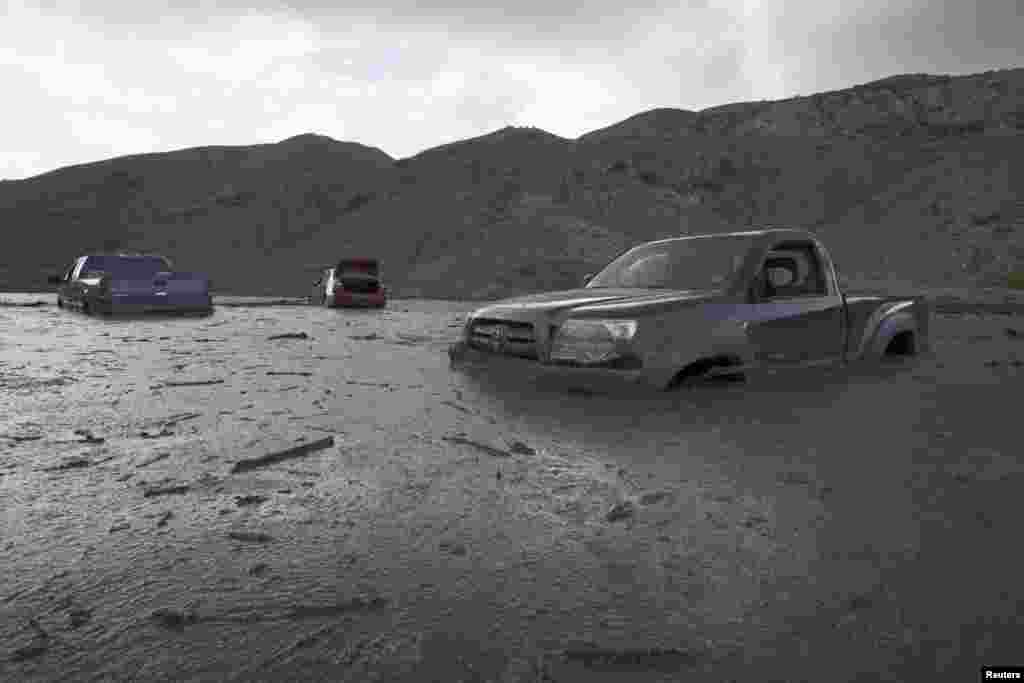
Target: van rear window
366,266
127,267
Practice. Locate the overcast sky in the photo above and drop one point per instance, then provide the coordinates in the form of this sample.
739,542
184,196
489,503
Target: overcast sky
84,81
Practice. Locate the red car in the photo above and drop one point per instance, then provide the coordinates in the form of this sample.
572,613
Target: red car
354,282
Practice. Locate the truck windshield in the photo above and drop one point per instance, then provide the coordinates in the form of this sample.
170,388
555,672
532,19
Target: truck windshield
701,263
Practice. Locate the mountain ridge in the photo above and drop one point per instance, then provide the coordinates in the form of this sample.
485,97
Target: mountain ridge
912,174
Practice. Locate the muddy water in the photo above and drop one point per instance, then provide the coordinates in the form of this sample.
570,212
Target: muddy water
838,525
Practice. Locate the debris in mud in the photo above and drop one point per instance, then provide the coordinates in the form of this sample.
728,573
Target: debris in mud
153,434
365,337
754,520
30,651
1013,334
580,391
79,617
455,405
258,569
175,619
19,438
992,363
40,645
88,436
357,604
179,417
622,510
120,526
486,448
652,497
406,338
671,659
285,372
859,601
367,384
287,454
250,536
453,547
166,491
69,464
794,478
289,335
520,448
455,354
164,518
196,383
18,304
156,458
249,499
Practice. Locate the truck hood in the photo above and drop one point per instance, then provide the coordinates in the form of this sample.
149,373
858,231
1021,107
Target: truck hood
593,301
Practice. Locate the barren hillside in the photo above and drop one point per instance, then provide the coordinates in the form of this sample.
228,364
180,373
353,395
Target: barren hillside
914,176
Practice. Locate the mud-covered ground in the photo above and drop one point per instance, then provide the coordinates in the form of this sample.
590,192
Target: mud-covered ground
859,523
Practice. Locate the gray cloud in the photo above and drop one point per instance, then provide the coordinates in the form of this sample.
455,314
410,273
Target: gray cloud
908,36
406,76
550,23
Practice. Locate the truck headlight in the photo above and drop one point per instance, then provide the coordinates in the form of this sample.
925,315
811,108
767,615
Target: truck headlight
592,341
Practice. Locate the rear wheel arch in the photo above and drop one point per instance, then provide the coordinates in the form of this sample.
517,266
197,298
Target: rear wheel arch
896,336
903,343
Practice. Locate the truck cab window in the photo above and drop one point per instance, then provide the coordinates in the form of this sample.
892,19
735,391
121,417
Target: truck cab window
804,266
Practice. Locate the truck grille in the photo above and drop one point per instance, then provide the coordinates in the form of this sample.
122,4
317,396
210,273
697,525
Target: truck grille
504,336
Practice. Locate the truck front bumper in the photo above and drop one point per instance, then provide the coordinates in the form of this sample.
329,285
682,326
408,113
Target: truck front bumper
598,379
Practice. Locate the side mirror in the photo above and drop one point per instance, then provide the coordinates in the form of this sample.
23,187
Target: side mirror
759,287
55,279
754,291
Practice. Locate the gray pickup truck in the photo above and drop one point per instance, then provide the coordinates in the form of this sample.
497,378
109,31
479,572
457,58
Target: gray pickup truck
676,311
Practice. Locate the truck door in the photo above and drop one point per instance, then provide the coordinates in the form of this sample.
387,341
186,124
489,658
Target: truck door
796,316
